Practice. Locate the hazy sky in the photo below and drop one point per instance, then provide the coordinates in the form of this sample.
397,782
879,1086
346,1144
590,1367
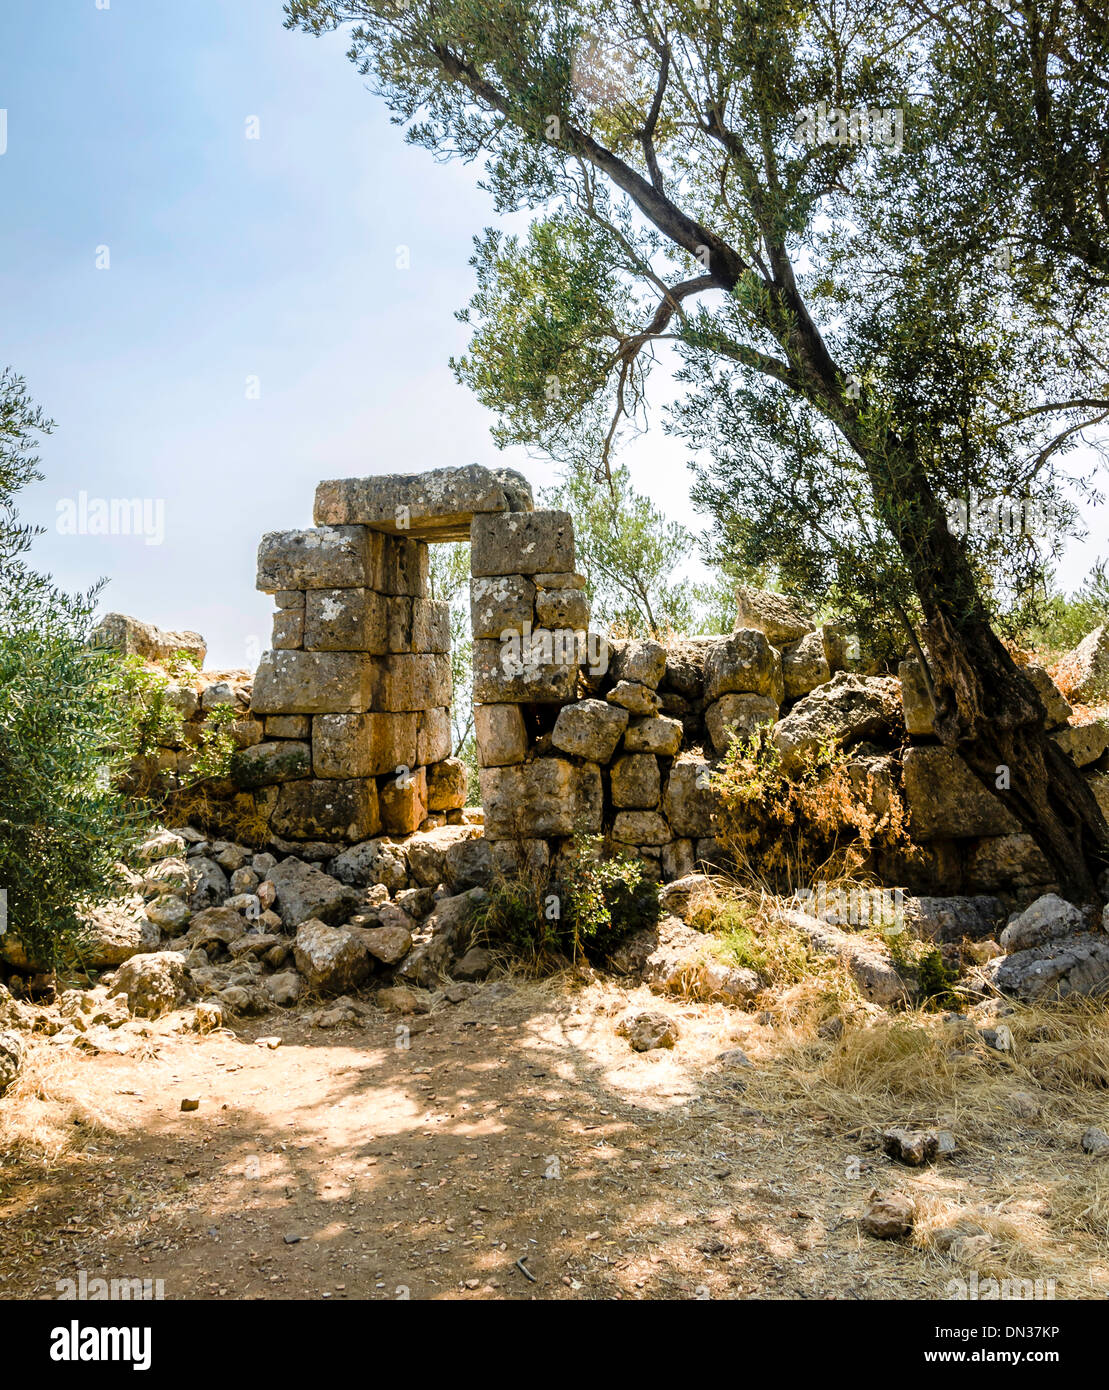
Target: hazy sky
217,322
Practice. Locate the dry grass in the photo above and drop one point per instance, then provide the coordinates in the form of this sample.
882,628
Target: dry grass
44,1116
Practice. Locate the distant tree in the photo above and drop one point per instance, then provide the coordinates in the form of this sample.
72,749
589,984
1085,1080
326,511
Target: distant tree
449,582
632,558
63,729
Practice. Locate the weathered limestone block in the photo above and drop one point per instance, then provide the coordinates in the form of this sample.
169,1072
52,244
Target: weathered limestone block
403,801
777,616
363,745
804,665
446,785
542,669
637,699
288,628
268,763
690,801
946,800
589,729
1089,666
1055,703
916,703
548,797
305,892
744,663
501,603
847,710
433,736
639,659
411,681
437,505
501,737
530,859
685,665
522,543
326,809
403,568
345,620
325,557
559,580
658,735
635,782
1003,862
562,608
288,726
312,683
431,625
641,828
333,960
132,637
373,861
737,716
1085,743
1076,964
289,598
678,859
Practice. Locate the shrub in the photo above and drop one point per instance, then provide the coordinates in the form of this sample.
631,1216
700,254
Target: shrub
63,726
595,904
789,832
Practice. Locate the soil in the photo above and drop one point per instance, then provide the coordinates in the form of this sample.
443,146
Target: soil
511,1146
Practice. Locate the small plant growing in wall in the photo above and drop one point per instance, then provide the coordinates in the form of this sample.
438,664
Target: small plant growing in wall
216,747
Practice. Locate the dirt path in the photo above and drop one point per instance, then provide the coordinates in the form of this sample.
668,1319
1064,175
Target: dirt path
515,1126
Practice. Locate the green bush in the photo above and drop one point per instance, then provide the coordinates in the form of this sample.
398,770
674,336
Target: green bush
63,727
597,902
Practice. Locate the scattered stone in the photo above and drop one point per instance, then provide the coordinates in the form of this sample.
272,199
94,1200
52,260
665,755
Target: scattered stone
1095,1141
190,1103
11,1059
332,959
1047,919
474,965
888,1218
915,1147
646,1031
153,984
305,892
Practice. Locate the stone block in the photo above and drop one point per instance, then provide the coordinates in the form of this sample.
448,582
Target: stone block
288,726
639,659
326,810
345,620
946,800
363,745
743,664
589,729
268,763
562,608
403,801
433,736
403,568
322,557
437,505
916,703
658,735
805,666
547,797
290,682
737,716
501,603
410,681
289,598
641,828
540,669
288,628
501,737
447,785
431,625
522,543
635,782
689,800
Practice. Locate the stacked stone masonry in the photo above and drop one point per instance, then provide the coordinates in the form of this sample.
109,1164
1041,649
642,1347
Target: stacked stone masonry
348,736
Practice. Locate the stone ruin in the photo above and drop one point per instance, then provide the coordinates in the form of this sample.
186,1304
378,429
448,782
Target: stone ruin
573,732
344,734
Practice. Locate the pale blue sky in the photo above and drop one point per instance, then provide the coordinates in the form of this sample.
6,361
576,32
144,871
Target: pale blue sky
230,259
